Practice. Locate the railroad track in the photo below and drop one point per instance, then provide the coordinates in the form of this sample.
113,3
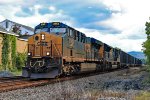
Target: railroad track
8,84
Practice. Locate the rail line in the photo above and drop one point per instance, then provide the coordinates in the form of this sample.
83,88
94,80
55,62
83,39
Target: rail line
9,84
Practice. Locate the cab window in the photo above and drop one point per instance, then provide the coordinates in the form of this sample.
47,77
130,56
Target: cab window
41,30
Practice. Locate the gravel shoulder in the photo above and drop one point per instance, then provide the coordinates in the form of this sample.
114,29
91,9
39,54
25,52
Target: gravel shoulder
119,85
6,74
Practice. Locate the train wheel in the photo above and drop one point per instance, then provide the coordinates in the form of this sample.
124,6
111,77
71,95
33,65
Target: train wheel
58,76
69,69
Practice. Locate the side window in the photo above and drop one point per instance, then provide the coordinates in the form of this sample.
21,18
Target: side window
75,33
68,32
71,32
78,35
84,39
81,37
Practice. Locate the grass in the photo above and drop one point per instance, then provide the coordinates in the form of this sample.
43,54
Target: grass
16,72
143,96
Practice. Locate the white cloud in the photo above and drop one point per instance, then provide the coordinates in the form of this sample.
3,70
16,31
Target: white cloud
114,40
128,17
2,18
37,18
8,12
11,1
52,8
134,13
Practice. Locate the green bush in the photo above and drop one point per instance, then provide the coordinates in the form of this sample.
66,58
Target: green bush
8,52
13,51
5,51
20,60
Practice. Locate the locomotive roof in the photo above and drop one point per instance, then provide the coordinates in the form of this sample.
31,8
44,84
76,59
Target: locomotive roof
53,24
56,25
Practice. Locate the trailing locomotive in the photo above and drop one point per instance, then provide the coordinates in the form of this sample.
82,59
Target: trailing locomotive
58,49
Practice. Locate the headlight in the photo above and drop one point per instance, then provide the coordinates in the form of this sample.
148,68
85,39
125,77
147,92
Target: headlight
43,37
29,54
47,53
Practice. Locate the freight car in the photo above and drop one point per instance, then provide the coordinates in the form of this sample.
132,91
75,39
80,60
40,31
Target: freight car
58,49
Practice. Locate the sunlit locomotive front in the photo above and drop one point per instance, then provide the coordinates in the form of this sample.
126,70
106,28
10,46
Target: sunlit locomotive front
44,52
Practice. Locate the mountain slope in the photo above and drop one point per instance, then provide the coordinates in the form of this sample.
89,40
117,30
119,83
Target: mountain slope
137,54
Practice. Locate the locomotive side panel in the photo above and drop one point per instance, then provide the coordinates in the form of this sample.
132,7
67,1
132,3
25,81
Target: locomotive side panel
88,49
73,48
123,59
96,51
87,67
80,47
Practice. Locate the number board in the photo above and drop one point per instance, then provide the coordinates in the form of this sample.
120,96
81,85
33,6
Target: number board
43,24
56,23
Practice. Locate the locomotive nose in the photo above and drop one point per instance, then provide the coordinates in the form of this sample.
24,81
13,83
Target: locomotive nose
44,55
39,45
44,45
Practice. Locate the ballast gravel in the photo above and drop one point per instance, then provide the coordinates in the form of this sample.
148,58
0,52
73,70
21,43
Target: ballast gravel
116,85
6,74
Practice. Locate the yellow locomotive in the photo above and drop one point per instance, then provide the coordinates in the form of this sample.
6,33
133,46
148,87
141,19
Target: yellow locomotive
58,49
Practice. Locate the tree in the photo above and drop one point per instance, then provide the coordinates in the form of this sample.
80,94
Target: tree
146,44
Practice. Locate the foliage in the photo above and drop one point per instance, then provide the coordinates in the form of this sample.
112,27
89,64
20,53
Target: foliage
16,72
10,59
13,51
5,51
20,60
146,44
9,52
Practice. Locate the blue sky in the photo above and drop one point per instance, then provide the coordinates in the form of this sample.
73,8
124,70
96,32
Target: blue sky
119,23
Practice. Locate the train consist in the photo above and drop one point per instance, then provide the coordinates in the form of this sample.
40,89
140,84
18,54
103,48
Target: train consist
58,49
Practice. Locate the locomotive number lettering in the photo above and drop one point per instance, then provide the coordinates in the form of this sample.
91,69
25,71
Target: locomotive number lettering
42,44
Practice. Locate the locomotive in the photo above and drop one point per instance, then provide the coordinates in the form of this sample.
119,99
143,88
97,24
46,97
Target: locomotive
57,49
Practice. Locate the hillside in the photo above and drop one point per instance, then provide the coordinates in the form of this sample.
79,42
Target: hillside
137,54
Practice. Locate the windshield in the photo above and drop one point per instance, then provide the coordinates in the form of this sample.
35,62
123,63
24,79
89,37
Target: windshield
41,30
57,30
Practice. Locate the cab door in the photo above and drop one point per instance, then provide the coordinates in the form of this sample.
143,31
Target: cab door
37,41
